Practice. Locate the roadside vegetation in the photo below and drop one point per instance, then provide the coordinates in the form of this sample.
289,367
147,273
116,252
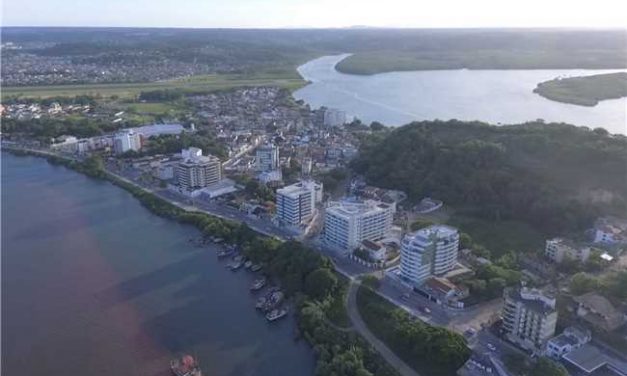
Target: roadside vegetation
585,91
428,349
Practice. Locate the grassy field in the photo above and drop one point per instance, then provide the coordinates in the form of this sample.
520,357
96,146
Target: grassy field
585,91
288,80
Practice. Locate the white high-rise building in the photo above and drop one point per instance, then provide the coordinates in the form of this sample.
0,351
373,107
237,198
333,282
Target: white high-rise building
197,171
347,224
529,317
126,140
295,203
559,250
267,157
428,251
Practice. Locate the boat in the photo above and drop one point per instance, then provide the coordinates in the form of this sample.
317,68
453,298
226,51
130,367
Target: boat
276,314
185,366
258,284
224,253
260,302
238,258
273,300
248,264
235,266
255,268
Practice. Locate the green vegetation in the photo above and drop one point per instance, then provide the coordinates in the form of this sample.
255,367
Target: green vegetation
332,180
44,129
428,349
585,91
499,237
612,285
553,178
168,144
408,50
185,86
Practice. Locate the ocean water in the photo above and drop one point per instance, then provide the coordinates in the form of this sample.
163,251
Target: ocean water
94,284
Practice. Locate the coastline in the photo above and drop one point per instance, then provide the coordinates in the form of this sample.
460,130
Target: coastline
307,321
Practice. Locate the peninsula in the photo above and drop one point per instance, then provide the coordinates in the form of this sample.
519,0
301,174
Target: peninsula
584,91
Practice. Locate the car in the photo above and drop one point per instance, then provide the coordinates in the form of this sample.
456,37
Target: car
405,296
426,310
491,347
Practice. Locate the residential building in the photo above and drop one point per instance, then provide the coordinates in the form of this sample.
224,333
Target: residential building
295,204
598,311
429,251
610,231
443,291
571,338
348,223
334,117
529,317
196,171
126,140
559,249
267,157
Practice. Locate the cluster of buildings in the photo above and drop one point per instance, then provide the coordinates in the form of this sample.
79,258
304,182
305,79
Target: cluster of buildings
530,319
125,140
27,111
25,66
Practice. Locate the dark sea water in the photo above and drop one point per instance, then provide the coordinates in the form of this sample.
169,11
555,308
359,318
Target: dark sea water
94,284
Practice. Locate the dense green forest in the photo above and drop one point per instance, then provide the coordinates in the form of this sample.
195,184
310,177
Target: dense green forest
554,177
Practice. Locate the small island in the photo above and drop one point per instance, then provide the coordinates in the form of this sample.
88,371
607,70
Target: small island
584,91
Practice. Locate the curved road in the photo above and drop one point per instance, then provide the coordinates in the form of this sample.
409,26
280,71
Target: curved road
360,326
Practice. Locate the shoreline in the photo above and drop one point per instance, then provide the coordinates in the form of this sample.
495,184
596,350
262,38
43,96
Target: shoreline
157,205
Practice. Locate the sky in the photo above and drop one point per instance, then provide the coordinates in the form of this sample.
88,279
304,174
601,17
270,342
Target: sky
316,13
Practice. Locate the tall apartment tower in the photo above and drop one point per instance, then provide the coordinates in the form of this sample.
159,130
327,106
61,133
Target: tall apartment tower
429,251
529,317
126,140
347,224
295,203
196,171
267,157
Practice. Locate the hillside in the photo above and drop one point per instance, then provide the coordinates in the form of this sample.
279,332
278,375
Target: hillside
554,177
585,91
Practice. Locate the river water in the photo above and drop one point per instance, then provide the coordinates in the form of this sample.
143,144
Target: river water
493,96
94,284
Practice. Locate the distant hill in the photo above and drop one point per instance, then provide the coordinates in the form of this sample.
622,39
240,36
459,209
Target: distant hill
585,91
375,49
555,177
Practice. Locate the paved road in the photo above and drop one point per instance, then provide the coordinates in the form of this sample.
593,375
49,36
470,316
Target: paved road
361,327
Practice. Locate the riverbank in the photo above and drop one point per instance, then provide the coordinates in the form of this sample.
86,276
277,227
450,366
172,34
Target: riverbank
300,271
584,91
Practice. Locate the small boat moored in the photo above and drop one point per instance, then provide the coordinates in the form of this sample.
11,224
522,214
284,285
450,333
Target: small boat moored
255,268
258,284
276,314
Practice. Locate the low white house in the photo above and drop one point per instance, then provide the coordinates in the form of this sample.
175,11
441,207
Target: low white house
571,338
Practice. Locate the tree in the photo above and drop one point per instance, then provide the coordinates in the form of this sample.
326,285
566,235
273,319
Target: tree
375,126
582,283
320,283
